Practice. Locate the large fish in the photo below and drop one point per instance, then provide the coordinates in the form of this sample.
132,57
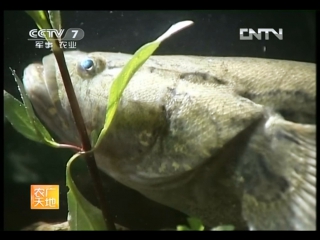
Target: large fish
229,140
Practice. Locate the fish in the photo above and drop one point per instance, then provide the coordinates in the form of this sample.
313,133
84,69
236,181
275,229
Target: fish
229,140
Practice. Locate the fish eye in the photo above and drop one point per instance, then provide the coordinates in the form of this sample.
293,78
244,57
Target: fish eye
87,64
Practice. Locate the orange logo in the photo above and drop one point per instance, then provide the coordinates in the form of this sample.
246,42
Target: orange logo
44,196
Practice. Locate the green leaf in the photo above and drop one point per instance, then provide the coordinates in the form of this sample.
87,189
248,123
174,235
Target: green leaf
40,19
55,19
23,118
224,228
195,224
183,228
31,128
82,214
42,22
121,81
24,96
16,113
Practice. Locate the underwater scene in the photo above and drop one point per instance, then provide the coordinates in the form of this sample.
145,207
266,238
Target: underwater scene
159,120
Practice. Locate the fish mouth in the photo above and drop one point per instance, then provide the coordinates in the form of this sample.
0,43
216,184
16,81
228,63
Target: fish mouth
42,88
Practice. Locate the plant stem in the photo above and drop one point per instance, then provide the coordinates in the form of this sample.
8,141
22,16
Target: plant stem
86,145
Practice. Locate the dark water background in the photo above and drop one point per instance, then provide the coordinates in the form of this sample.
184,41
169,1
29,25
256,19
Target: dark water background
214,33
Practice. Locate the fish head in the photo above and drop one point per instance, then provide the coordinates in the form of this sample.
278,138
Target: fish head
91,76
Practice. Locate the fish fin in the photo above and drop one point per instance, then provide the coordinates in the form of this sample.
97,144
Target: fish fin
279,172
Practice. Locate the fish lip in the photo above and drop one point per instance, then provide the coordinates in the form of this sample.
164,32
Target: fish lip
33,77
40,73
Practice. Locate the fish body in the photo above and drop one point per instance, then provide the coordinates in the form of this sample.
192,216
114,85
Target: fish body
229,140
